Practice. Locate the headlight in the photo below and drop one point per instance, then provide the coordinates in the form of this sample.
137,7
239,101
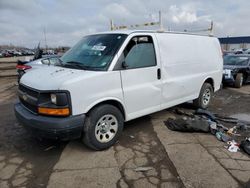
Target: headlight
54,103
227,73
59,99
53,98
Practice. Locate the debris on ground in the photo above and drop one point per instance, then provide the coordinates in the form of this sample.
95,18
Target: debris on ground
188,124
49,148
131,136
206,113
233,146
245,145
235,136
143,169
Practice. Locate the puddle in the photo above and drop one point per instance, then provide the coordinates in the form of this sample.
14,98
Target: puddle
242,117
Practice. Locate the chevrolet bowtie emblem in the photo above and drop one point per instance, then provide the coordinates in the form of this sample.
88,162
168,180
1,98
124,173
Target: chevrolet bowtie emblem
25,97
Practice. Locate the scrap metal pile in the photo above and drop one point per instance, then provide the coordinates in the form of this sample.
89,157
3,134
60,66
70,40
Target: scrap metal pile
235,133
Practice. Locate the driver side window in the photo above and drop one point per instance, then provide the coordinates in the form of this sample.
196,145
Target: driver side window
140,52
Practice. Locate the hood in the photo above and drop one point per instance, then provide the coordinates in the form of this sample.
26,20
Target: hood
53,78
35,62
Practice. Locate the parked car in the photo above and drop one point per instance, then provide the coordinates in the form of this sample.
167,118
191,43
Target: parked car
236,69
28,52
11,52
109,78
227,53
17,53
23,67
247,51
25,52
6,54
240,51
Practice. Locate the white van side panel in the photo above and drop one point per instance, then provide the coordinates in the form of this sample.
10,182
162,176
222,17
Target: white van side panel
187,61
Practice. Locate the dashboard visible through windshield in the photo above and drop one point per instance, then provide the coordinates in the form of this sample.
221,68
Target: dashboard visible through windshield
93,52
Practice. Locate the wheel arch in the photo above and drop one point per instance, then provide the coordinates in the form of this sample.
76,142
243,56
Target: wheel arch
209,80
198,101
112,101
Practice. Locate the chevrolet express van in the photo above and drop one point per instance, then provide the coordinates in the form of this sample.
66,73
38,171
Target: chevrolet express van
109,78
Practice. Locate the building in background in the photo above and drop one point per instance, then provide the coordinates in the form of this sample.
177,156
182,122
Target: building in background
235,43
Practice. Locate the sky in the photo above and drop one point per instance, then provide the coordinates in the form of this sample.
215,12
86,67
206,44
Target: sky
23,22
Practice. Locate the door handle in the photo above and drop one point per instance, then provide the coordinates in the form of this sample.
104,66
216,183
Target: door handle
158,73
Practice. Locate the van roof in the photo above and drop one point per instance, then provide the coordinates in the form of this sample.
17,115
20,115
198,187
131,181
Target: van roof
128,32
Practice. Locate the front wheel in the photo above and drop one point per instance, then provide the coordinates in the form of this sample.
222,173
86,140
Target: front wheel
204,97
103,127
20,74
239,80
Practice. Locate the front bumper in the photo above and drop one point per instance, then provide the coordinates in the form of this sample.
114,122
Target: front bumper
63,128
228,80
228,76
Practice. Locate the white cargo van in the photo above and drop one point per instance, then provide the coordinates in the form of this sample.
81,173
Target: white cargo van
109,78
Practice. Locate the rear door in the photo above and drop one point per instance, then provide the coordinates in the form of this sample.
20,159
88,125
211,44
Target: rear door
141,77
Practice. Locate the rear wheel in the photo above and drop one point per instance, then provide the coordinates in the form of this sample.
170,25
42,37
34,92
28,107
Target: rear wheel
204,97
103,127
239,80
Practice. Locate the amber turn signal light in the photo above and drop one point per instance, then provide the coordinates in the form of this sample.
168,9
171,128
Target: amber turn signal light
54,111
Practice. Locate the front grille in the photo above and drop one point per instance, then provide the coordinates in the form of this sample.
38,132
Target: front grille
28,97
28,90
31,107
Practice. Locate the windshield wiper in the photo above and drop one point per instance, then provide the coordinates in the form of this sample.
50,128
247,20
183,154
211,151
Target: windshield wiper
78,65
74,64
81,66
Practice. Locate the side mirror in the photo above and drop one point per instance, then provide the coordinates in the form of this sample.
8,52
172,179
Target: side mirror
124,65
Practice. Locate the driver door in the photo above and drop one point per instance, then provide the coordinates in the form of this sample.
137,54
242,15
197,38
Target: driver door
141,79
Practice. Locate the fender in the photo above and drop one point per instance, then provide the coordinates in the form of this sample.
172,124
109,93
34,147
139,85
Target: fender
103,100
210,80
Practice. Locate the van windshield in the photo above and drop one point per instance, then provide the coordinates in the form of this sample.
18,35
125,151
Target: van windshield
93,52
236,60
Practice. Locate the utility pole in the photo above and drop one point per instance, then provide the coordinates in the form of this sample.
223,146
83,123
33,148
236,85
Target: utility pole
45,39
160,21
111,25
212,28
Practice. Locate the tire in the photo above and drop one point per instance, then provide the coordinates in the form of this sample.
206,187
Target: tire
239,80
20,74
102,127
205,96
